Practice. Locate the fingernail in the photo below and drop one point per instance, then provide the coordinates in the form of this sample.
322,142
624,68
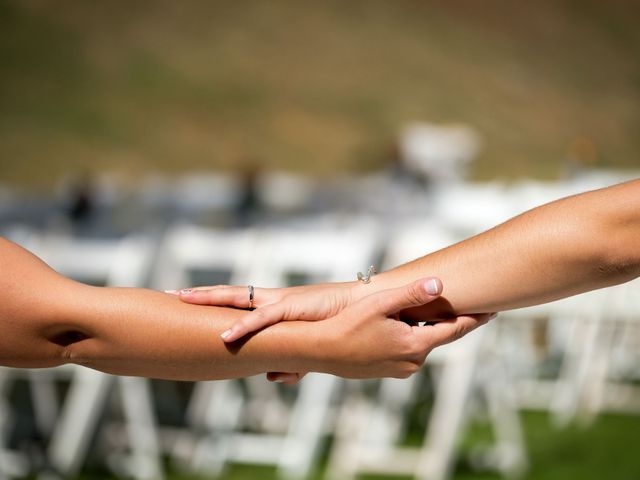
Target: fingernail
492,316
225,334
433,287
278,380
171,292
185,291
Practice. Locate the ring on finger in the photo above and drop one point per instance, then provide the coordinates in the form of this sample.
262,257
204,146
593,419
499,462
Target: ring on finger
251,295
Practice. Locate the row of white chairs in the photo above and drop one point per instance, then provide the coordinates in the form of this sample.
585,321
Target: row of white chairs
287,434
255,422
210,195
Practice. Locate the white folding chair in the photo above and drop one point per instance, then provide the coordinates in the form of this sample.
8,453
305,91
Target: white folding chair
285,192
470,208
13,464
605,334
224,255
323,255
214,256
368,442
618,390
440,152
285,434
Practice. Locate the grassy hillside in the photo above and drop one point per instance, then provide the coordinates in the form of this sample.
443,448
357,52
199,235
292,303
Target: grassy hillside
320,87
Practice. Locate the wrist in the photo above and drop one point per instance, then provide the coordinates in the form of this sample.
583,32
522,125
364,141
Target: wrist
359,289
300,346
323,345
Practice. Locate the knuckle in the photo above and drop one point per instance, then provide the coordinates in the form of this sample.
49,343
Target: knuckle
414,295
241,325
255,318
417,345
258,314
290,311
460,331
412,346
263,316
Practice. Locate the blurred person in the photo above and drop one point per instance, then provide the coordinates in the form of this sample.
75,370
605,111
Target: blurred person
250,205
80,204
573,245
48,320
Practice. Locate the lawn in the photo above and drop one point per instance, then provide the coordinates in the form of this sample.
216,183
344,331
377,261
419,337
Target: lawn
606,449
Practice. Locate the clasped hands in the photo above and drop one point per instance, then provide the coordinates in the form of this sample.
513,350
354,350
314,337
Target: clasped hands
375,333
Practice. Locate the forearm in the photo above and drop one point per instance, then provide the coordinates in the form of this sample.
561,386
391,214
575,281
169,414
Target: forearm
146,333
47,320
567,247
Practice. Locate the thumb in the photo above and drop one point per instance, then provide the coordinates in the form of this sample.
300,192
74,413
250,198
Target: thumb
414,294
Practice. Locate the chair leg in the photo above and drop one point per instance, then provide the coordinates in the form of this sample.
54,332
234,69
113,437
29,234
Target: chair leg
12,464
595,390
575,370
44,398
306,428
346,452
447,418
214,412
145,461
81,411
510,449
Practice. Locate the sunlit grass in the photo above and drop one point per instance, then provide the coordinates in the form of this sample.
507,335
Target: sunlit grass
319,87
603,450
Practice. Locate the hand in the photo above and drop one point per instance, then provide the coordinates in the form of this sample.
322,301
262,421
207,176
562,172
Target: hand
318,302
311,302
366,339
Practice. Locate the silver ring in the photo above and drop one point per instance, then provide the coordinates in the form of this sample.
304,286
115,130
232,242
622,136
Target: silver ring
251,295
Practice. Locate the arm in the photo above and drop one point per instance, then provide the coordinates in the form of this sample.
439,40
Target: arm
570,246
47,320
567,247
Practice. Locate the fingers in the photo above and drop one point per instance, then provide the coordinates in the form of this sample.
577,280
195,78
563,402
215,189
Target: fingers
224,295
447,331
256,320
185,290
286,378
414,294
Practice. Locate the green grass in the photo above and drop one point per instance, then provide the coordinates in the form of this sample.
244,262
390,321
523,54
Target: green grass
606,449
319,87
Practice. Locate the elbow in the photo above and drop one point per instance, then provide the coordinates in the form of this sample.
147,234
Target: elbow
73,354
66,355
618,253
41,355
619,269
69,347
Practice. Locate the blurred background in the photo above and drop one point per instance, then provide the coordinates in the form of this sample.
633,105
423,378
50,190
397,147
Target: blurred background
165,144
